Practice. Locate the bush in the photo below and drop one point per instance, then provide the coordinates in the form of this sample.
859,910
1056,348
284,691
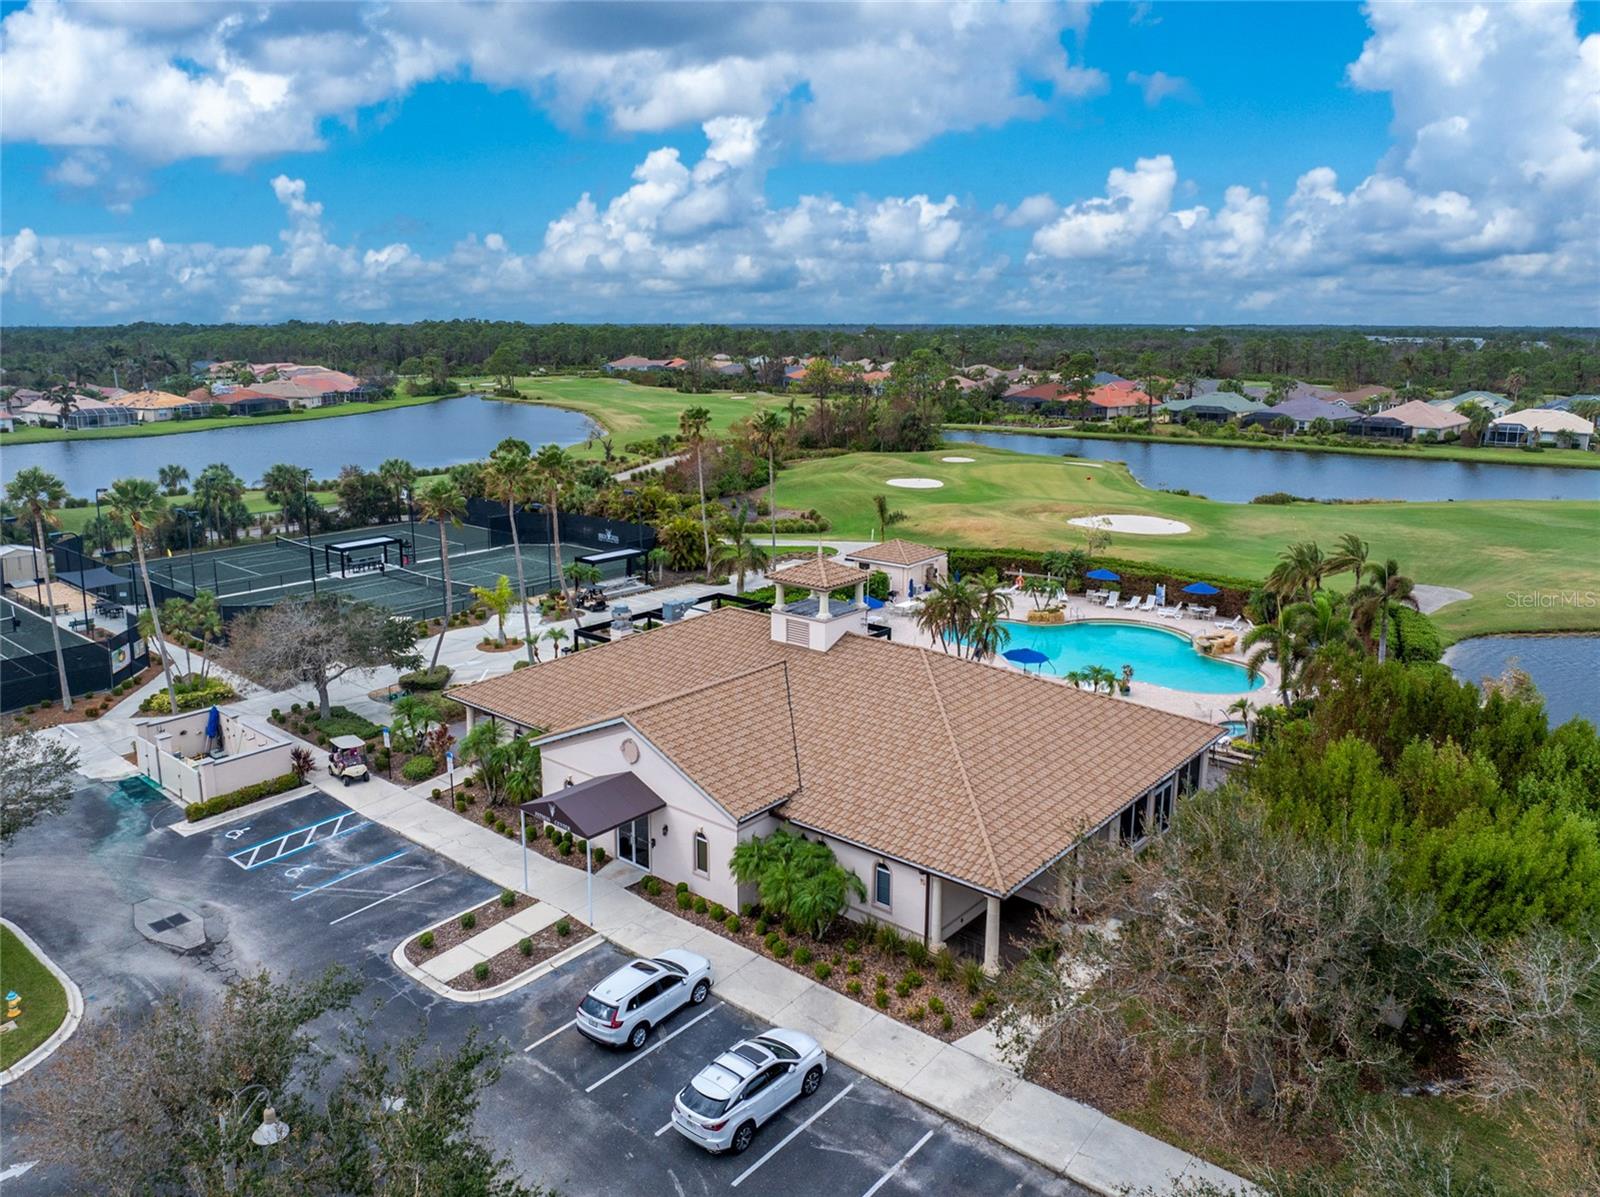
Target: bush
551,834
914,979
917,1013
682,887
936,1004
903,987
732,924
761,928
461,806
823,969
652,886
746,909
480,970
802,955
973,976
889,940
946,1022
700,906
419,768
563,928
772,940
566,847
718,911
1413,636
853,988
684,900
782,949
469,920
425,679
917,952
599,857
881,980
980,1009
196,811
425,941
881,999
295,707
191,697
853,967
944,964
525,947
508,897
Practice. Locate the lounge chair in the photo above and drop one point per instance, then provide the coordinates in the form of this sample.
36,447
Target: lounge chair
1133,601
1172,612
1149,603
1229,625
1112,596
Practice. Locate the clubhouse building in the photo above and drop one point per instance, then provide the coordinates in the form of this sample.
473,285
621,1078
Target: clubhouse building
951,788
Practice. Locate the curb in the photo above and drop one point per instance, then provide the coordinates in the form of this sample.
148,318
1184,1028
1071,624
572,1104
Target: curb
468,997
185,828
69,1024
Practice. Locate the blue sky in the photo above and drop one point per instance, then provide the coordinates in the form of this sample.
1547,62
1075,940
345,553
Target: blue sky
1187,162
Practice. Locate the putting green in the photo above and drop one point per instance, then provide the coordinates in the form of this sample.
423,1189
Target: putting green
1528,565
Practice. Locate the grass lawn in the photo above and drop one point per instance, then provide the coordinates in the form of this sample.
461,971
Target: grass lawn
24,435
632,412
74,519
1496,550
1579,458
44,1002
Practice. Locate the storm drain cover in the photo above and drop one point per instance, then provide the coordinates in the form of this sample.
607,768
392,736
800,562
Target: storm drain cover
169,924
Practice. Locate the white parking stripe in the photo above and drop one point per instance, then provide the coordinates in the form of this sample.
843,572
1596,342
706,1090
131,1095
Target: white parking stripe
784,1142
662,1042
664,1129
550,1036
382,900
899,1164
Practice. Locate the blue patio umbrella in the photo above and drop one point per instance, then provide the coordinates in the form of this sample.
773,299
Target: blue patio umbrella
1103,575
213,724
1025,656
873,603
1201,588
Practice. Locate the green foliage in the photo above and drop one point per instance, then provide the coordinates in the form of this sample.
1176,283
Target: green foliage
563,928
469,920
878,585
425,941
732,923
480,970
196,811
508,897
1416,638
419,768
192,696
435,678
822,968
525,946
685,900
798,879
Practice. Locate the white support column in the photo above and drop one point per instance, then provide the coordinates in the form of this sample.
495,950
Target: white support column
991,936
935,912
822,604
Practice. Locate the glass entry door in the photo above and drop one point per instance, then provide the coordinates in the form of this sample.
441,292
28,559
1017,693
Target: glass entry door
633,841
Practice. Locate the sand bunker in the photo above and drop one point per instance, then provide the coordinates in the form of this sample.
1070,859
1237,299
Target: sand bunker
1136,525
957,460
915,483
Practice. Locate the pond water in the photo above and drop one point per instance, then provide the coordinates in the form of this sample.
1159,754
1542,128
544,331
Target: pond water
1232,474
1563,667
1159,657
427,435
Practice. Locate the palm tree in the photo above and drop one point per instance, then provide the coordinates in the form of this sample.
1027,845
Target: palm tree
285,485
692,424
794,410
65,399
508,476
1273,640
137,503
557,636
1300,570
1322,634
1385,586
886,517
767,431
989,635
1350,556
552,474
441,501
1243,708
205,623
38,493
739,552
219,492
102,533
400,476
172,478
497,600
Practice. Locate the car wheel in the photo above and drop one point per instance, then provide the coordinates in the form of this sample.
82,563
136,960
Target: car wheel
701,990
742,1138
640,1036
811,1083
346,780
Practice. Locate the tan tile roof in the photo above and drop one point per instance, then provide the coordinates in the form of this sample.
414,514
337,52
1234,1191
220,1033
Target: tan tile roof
977,772
1417,414
151,399
896,552
818,574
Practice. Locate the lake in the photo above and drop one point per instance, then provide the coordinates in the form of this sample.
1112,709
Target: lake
1563,667
430,434
1232,474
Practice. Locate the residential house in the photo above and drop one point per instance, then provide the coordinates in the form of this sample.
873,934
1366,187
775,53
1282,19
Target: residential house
1120,398
1540,426
1565,402
1210,386
1415,420
151,406
947,786
911,567
1305,411
86,412
633,362
1371,397
251,401
1218,407
1497,404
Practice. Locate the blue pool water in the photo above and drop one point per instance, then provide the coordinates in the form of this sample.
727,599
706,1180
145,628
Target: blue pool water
1158,657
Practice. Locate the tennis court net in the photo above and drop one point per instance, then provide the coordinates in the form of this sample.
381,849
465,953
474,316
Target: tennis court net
295,544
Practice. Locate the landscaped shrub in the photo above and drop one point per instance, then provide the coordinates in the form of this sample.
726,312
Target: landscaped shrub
196,811
684,900
853,967
550,832
342,721
732,923
888,939
599,857
700,906
914,979
973,976
508,897
772,940
652,886
851,945
469,921
761,928
917,1013
881,980
425,941
435,678
718,911
566,846
525,946
192,696
946,1022
480,970
563,928
881,999
944,965
823,969
980,1009
903,987
461,805
781,949
853,988
489,816
917,952
1413,636
803,956
419,768
682,887
936,1004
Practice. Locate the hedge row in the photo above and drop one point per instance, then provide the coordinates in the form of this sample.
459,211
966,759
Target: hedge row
213,692
1414,636
435,678
196,811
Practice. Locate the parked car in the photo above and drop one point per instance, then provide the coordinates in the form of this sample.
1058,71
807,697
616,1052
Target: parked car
627,1005
746,1086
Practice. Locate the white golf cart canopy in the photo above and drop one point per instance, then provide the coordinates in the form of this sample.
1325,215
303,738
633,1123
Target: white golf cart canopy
346,743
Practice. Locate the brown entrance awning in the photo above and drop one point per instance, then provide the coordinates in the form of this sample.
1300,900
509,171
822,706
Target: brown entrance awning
598,805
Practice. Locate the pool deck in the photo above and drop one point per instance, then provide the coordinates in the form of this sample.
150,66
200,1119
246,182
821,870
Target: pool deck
1212,708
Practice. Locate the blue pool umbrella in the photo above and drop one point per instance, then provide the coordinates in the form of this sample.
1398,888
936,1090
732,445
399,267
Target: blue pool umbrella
1103,575
873,603
214,724
1025,656
1201,588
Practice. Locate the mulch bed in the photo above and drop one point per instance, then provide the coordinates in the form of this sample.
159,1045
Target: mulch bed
511,962
872,961
291,721
479,811
453,933
489,645
102,701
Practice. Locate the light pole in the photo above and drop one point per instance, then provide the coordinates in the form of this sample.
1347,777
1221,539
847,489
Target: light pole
305,525
270,1133
189,518
98,491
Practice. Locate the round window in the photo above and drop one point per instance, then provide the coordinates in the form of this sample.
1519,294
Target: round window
630,752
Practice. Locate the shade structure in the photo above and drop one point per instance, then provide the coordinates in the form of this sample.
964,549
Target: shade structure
1025,656
598,805
1201,588
1103,575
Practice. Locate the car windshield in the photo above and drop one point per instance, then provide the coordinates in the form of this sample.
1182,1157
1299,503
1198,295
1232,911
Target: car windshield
595,1008
778,1048
699,1103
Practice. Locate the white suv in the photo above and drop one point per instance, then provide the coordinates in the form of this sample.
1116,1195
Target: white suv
624,1007
746,1086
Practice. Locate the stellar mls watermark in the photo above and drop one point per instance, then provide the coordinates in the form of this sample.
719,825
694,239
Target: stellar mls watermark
1553,599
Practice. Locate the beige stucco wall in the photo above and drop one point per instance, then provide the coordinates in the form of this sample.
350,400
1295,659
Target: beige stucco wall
163,748
900,575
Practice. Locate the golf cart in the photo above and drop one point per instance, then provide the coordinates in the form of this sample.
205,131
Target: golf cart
348,760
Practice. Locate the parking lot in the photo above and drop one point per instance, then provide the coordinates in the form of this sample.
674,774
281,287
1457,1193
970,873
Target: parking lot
310,884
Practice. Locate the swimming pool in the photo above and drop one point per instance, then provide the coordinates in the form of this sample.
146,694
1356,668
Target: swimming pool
1159,657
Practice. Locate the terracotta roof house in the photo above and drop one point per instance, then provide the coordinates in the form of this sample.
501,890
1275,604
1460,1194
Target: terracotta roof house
1039,395
912,567
1217,406
1415,420
1122,398
1304,411
1540,426
953,789
150,406
633,362
1371,393
250,401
